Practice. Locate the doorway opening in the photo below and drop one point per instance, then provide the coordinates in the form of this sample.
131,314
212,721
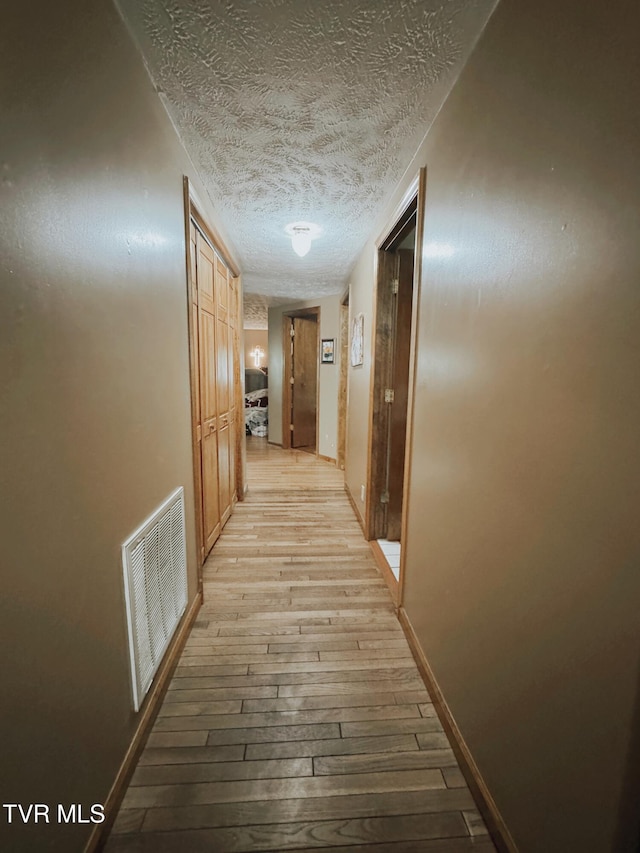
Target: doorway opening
301,346
392,380
343,383
256,384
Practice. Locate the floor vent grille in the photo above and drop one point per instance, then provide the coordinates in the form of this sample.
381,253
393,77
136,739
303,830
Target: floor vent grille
155,582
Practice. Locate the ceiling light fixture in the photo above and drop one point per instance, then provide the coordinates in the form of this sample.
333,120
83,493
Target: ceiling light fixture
302,233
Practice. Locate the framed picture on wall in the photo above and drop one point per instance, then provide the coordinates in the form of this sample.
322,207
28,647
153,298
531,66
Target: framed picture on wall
327,350
357,340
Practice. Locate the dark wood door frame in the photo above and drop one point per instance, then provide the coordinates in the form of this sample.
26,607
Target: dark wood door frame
409,214
343,382
287,371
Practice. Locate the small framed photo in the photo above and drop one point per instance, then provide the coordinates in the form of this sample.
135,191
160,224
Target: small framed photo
327,350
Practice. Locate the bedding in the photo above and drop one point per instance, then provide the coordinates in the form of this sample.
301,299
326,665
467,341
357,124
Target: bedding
256,412
256,402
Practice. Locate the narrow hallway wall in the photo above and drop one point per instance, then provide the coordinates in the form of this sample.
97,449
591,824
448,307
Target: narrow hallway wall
361,301
522,576
95,411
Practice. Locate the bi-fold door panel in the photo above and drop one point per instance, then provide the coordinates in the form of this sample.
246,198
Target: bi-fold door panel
224,470
205,273
217,303
194,354
222,366
208,395
210,492
222,291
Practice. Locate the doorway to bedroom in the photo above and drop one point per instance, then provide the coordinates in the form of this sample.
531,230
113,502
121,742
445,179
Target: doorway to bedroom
256,383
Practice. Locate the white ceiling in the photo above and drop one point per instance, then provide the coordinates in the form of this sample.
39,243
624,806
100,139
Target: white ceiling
302,110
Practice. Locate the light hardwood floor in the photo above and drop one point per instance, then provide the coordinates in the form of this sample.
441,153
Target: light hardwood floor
296,719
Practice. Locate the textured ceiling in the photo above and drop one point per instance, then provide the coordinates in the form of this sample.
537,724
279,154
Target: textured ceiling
295,110
256,309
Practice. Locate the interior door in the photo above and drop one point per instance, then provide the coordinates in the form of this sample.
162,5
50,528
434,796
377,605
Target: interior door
208,400
304,388
401,342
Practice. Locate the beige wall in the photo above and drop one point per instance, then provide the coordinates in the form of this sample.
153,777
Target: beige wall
94,407
253,338
522,575
361,301
329,373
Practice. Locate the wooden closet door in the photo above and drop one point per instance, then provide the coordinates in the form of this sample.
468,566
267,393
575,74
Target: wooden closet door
208,395
194,352
222,291
224,472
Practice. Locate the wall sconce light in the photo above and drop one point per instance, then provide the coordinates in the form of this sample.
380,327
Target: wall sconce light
257,353
302,233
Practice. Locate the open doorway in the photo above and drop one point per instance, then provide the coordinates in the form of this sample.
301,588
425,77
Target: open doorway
395,309
256,385
300,392
343,383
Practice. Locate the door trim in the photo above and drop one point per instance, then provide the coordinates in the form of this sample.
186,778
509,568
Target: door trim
194,379
413,356
343,382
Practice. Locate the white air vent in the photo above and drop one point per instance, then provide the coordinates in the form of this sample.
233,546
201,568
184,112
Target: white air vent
154,560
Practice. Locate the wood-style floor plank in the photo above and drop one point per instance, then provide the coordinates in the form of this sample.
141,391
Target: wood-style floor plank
296,718
284,811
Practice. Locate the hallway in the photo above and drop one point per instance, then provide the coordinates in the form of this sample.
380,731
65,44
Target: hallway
296,719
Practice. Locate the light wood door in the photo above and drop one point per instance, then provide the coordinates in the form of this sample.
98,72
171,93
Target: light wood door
208,393
224,470
206,274
222,365
305,382
194,354
222,291
216,394
211,497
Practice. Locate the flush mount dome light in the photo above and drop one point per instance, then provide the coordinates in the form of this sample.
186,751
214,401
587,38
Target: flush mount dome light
302,233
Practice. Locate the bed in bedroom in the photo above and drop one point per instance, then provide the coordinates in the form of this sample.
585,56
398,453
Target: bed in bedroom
256,401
